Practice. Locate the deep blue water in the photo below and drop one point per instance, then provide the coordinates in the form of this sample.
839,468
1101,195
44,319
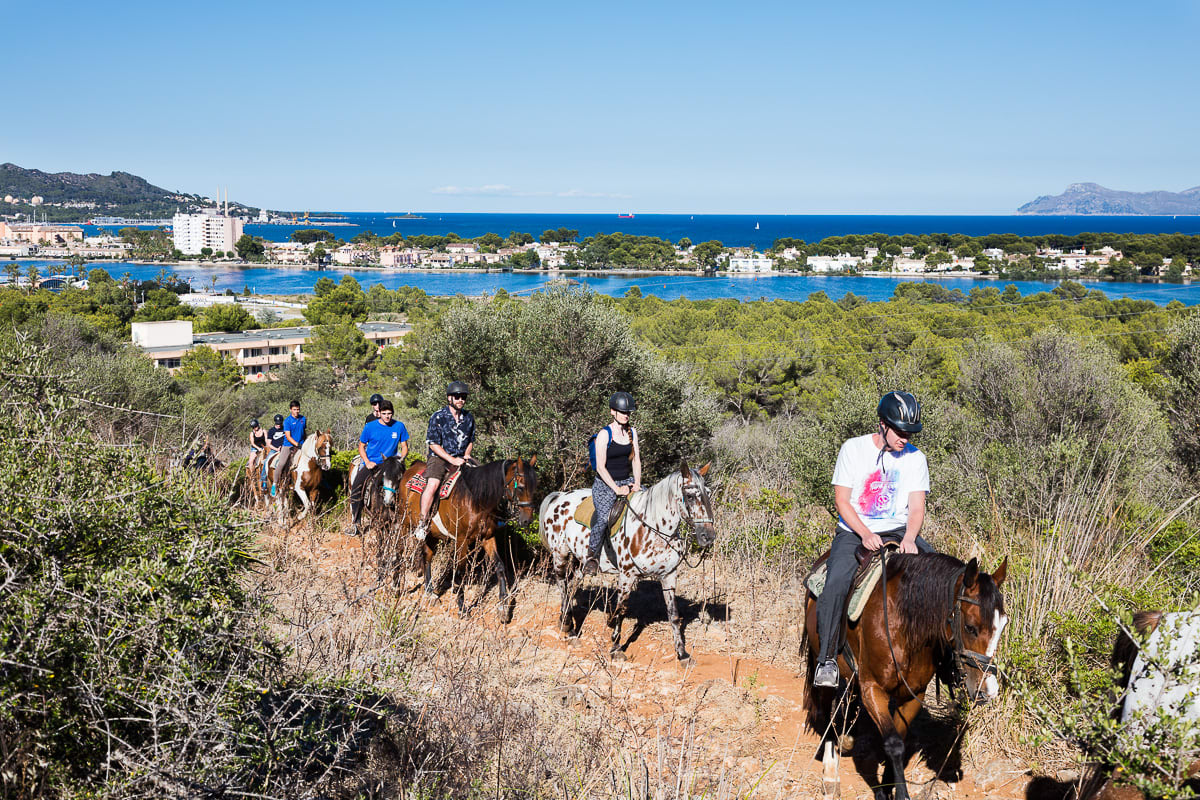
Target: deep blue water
281,280
731,229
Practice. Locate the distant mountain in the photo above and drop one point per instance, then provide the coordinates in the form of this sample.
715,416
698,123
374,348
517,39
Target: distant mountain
70,196
1092,198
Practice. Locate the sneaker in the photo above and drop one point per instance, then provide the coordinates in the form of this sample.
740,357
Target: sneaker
827,675
591,566
422,530
272,491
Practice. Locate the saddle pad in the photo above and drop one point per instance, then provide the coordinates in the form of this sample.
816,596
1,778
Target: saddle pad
417,484
858,594
585,510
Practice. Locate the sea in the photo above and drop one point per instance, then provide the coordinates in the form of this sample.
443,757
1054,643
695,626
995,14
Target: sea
759,231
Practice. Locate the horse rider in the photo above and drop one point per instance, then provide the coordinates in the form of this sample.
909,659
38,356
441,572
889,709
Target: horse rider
450,437
381,439
276,439
293,431
618,471
356,463
258,443
880,482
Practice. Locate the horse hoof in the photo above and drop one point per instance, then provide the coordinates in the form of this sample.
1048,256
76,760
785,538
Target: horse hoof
846,744
619,655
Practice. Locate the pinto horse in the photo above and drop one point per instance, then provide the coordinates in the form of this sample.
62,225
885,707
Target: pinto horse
304,473
467,518
647,543
930,615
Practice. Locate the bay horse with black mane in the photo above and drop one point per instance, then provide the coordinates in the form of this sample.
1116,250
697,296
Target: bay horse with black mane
930,615
467,518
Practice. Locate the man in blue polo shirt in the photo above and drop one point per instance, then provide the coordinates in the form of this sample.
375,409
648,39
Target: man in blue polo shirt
380,440
293,434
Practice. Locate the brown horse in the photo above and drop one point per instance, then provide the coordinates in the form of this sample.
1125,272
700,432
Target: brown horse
467,518
930,615
305,472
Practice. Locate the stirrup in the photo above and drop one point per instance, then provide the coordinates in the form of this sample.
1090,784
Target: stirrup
827,675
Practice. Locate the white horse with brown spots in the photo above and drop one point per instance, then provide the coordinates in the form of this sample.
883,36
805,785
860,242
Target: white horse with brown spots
304,474
648,543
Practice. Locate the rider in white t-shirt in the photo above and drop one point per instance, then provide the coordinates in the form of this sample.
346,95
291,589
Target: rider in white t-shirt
880,482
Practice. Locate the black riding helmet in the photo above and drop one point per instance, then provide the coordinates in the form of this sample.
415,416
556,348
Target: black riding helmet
279,419
376,399
253,424
900,411
623,402
457,387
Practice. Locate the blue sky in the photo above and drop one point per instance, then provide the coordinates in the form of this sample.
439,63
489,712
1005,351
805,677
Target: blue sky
700,107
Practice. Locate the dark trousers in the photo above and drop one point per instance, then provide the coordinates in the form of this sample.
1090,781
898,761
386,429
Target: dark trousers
357,487
840,569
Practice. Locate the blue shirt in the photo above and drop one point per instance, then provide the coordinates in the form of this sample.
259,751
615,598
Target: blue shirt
383,441
453,437
295,426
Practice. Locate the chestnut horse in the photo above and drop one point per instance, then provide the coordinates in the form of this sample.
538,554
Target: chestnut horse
467,518
304,474
931,614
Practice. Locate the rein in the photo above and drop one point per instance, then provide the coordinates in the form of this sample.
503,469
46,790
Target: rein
672,538
962,655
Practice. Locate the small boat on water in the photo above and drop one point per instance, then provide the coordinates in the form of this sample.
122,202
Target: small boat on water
756,226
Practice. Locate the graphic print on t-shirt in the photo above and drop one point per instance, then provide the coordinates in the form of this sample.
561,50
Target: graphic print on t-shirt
878,495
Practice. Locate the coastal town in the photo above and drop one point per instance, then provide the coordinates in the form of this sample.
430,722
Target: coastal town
214,236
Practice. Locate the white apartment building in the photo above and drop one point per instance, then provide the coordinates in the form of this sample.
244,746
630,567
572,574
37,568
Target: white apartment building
210,228
755,262
836,263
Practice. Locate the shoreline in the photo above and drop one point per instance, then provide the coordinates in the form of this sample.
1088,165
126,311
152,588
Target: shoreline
613,273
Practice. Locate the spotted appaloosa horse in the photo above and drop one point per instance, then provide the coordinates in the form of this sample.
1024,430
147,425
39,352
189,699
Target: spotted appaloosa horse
305,472
648,543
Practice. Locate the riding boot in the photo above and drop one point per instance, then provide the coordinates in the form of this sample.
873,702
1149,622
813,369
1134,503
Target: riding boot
599,531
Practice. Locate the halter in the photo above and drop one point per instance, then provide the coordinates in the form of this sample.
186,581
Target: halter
979,661
686,492
517,485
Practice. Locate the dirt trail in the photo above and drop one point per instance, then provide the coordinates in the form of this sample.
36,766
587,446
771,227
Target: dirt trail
740,712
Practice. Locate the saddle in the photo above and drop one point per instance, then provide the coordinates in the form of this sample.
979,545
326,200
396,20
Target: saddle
587,509
417,484
866,577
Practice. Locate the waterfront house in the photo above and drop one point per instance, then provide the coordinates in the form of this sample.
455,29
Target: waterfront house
754,262
838,263
908,265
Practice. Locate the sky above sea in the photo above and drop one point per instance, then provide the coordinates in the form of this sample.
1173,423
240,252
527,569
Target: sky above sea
697,107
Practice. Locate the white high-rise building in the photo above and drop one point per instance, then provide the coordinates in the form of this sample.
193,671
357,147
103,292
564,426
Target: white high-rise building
209,228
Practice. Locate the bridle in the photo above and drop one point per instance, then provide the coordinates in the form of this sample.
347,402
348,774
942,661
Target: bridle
512,494
692,492
962,655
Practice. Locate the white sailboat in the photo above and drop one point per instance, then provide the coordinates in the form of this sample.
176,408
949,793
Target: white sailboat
756,226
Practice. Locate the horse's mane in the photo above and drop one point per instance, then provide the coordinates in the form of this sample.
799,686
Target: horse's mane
660,494
309,446
485,484
927,594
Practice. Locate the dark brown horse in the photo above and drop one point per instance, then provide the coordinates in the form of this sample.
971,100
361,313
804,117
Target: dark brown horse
468,519
934,615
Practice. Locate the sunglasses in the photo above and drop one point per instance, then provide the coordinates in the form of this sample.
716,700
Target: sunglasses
458,396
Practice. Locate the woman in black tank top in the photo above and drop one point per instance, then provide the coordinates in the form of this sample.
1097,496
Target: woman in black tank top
618,471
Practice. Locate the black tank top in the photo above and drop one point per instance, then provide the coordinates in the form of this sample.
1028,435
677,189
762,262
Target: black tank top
617,458
260,439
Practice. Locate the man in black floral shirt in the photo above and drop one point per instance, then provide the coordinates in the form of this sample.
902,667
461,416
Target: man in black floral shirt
450,437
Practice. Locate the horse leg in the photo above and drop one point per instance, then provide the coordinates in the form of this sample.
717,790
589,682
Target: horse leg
304,501
625,587
668,590
876,701
492,548
427,563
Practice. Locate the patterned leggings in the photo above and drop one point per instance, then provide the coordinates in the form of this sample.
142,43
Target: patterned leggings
603,498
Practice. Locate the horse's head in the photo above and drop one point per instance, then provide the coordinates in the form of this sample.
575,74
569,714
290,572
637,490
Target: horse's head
391,478
324,449
976,623
520,483
697,507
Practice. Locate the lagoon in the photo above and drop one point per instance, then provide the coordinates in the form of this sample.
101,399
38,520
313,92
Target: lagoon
290,280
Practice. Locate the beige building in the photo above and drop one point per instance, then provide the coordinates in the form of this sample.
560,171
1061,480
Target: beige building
193,232
36,233
256,352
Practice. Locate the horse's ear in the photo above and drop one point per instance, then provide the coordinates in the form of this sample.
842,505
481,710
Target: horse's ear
704,470
971,574
1000,574
532,460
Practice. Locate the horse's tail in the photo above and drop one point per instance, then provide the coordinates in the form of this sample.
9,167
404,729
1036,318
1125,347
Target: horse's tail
550,498
815,715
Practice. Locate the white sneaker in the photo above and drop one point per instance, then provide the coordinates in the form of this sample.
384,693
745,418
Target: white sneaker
422,530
